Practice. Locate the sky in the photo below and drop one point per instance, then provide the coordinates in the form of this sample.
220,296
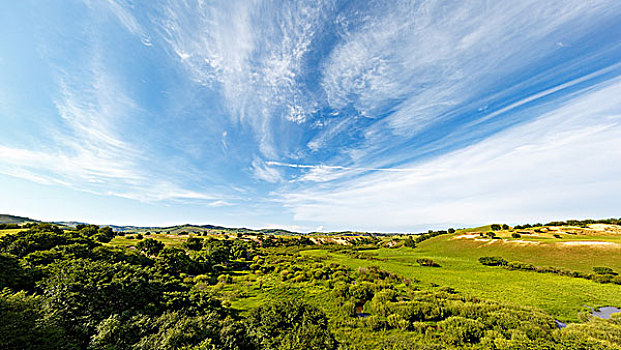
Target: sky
310,115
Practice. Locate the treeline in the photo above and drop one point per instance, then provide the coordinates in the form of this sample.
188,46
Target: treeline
600,274
578,223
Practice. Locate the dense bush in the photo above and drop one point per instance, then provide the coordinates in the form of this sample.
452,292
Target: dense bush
290,325
492,261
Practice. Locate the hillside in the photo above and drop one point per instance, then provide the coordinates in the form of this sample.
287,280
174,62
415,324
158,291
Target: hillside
14,219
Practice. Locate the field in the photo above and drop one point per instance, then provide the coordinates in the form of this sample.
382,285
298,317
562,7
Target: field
561,296
578,249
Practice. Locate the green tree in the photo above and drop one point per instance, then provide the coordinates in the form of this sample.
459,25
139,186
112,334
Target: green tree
23,325
193,243
150,246
174,261
290,325
13,274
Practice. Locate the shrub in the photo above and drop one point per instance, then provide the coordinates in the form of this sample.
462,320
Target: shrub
290,325
601,270
375,323
462,330
150,246
427,262
409,242
516,235
492,261
517,265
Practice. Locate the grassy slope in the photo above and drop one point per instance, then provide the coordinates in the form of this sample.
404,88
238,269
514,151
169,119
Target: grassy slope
14,219
561,296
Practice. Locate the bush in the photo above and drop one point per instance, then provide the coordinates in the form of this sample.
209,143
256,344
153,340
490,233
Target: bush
492,261
409,242
150,246
601,270
517,265
462,330
516,235
427,262
290,325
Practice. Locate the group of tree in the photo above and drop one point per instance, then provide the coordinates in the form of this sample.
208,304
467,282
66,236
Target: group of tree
66,290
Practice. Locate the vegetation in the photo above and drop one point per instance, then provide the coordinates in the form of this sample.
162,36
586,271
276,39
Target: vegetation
90,287
601,275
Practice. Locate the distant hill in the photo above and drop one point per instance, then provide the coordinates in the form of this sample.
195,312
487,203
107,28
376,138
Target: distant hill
69,223
14,219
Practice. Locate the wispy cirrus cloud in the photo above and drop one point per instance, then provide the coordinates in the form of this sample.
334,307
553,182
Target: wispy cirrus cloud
555,166
253,54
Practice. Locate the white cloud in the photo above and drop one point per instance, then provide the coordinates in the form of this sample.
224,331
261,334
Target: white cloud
123,14
263,171
253,53
561,165
220,203
421,60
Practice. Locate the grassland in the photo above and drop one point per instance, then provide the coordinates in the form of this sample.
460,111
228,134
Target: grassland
9,231
457,254
561,296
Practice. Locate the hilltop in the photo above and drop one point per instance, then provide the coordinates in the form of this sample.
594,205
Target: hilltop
14,219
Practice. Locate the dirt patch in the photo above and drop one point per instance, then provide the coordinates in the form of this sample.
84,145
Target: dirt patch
466,236
589,243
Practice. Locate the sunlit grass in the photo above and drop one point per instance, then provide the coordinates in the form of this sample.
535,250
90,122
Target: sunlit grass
561,296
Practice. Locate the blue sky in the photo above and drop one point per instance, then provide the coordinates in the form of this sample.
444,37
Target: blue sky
310,115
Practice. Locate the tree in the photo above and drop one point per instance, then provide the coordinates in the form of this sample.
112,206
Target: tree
174,261
496,227
12,274
150,246
290,325
104,234
23,326
409,242
193,243
88,230
80,293
490,234
239,250
451,230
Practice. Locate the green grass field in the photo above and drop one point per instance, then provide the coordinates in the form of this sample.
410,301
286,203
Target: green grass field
6,232
563,297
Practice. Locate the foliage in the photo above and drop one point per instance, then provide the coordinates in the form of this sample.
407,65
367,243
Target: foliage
150,246
290,325
492,261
